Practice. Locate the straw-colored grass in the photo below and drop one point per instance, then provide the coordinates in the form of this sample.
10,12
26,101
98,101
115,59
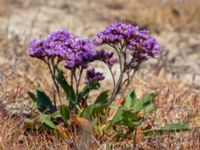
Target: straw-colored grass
158,15
176,103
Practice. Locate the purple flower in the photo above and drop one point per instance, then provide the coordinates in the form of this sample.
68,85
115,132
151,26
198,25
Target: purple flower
75,51
82,53
59,44
116,33
93,76
143,46
106,57
36,49
140,44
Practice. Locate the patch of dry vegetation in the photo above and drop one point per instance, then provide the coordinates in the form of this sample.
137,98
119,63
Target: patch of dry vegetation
160,15
176,103
3,6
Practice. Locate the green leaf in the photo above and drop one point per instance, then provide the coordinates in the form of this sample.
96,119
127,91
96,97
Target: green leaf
35,101
140,104
130,100
71,96
93,109
176,127
44,101
118,116
130,123
130,119
87,113
32,96
128,115
102,98
100,104
98,108
167,129
88,88
149,108
65,113
46,119
56,114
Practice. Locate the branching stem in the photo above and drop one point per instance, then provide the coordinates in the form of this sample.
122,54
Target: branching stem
52,72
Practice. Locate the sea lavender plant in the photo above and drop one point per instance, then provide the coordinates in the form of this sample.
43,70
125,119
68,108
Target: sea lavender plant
132,45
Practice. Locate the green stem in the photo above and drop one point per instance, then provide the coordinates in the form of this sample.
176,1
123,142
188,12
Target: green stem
78,81
55,66
120,79
113,78
53,78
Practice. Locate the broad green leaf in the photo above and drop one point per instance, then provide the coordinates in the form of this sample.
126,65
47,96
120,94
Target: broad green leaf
62,113
87,113
118,116
149,108
102,98
71,96
130,119
35,101
140,104
130,100
100,104
44,101
130,123
32,96
46,119
98,108
65,113
167,129
93,109
56,114
128,115
88,88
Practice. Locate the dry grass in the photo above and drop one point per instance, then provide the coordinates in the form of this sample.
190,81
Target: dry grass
3,6
162,15
12,136
176,103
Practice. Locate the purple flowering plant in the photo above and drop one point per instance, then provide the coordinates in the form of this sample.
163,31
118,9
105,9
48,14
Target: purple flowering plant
126,46
76,53
133,46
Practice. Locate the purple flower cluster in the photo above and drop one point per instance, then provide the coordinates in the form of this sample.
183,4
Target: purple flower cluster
93,76
80,54
143,46
75,51
36,49
106,57
139,42
116,33
57,44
